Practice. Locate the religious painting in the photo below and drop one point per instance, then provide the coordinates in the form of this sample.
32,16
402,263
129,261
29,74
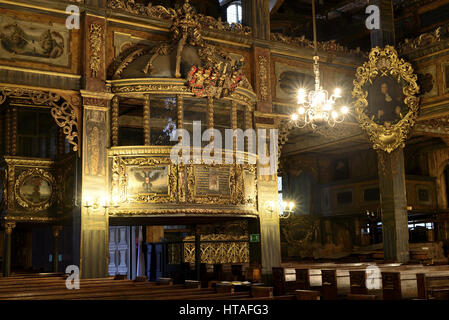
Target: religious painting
34,189
386,100
96,143
148,180
446,77
212,181
386,103
37,42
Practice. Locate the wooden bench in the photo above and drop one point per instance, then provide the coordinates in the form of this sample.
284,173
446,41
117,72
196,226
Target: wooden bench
432,287
391,286
284,281
302,279
357,282
307,295
329,284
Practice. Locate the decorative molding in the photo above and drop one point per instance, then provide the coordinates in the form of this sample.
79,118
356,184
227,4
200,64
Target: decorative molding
329,46
96,44
263,77
424,40
163,13
63,109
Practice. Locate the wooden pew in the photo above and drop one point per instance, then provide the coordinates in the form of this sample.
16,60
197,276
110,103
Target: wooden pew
284,281
391,286
361,296
432,286
307,295
357,280
329,284
302,279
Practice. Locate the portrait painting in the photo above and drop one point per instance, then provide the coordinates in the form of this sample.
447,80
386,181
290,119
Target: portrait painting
39,42
148,180
214,180
386,101
36,190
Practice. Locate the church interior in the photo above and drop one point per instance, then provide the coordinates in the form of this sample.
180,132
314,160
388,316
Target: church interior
224,149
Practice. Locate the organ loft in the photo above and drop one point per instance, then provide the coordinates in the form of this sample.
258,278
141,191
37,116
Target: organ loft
272,146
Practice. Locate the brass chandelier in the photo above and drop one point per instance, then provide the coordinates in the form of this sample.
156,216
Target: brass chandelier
316,107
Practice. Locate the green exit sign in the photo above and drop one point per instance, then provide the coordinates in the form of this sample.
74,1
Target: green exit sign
254,238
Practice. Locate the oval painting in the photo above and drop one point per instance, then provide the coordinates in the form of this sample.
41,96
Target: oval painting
36,190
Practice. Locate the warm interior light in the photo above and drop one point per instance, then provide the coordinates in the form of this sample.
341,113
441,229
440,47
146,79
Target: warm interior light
344,109
294,117
301,110
334,114
337,92
291,205
327,107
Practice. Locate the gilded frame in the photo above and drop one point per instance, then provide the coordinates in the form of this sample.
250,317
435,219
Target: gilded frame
25,203
385,62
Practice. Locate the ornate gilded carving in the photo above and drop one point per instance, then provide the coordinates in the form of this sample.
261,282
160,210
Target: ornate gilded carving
424,40
35,201
218,248
146,119
9,225
96,44
385,63
263,77
160,12
115,121
329,46
63,111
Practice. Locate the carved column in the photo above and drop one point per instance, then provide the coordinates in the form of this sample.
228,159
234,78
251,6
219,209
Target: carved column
8,132
391,169
146,120
198,253
234,123
393,201
94,250
56,231
180,107
14,132
9,226
115,120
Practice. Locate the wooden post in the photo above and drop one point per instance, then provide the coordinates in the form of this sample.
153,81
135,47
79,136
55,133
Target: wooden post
198,253
9,226
14,132
56,230
115,120
146,120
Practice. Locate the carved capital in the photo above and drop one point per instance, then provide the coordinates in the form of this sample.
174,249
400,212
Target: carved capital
9,226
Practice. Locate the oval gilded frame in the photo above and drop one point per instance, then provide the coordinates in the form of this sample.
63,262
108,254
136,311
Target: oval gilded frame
23,201
384,62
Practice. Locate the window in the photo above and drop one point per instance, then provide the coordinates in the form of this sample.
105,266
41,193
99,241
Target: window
234,13
36,133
